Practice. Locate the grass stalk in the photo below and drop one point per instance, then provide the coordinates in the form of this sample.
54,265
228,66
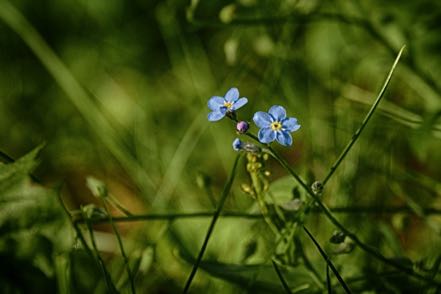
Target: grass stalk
170,216
357,133
216,215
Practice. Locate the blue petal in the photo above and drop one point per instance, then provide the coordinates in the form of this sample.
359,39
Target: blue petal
232,95
284,138
262,119
266,135
215,115
278,112
239,103
290,124
215,102
237,144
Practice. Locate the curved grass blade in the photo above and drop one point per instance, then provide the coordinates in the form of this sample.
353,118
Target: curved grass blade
366,119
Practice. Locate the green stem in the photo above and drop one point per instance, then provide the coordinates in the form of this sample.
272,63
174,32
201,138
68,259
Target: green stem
110,286
282,279
121,248
75,226
233,214
365,121
328,261
114,202
216,215
307,262
328,280
261,202
363,246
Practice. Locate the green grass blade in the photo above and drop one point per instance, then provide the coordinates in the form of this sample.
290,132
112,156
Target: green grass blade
224,195
365,121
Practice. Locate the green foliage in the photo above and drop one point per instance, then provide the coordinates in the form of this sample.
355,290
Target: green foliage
118,90
33,229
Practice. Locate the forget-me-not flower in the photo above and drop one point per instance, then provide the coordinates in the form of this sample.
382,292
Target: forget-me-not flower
274,125
220,106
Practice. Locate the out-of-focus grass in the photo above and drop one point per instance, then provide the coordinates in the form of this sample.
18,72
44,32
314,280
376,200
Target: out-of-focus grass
119,91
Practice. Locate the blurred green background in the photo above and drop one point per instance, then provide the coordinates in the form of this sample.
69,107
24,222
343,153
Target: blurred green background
118,90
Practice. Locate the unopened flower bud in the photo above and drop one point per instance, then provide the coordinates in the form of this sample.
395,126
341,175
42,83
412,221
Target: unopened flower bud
317,187
242,127
246,146
237,144
337,237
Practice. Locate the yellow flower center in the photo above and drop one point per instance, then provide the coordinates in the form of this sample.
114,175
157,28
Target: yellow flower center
276,126
228,105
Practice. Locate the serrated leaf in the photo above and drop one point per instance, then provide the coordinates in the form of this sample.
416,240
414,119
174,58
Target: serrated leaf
25,205
13,173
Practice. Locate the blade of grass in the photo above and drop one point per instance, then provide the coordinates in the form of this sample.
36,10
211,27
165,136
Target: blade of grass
282,279
357,133
328,262
216,215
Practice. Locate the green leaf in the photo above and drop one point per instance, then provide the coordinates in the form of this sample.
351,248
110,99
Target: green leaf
32,226
24,205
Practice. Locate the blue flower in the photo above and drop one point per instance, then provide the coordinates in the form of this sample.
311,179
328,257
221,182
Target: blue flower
274,125
220,106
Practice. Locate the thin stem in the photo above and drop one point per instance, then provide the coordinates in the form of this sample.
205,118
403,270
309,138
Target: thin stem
328,261
115,202
365,121
293,173
232,214
328,280
121,248
362,245
307,262
106,274
282,279
216,215
75,226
